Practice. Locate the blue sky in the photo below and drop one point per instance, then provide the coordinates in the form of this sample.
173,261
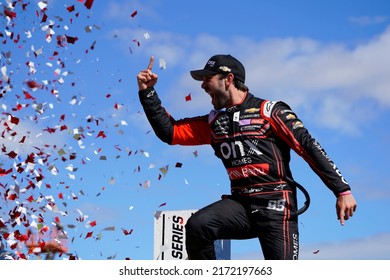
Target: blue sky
100,169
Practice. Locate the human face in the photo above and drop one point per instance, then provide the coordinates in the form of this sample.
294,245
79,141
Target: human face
216,88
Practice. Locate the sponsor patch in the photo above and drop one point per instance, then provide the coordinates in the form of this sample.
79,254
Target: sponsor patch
261,169
268,106
252,110
297,124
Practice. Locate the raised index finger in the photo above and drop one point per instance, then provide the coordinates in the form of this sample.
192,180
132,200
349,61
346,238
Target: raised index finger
151,61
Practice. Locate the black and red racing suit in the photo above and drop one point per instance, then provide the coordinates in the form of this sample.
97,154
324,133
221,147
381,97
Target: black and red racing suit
253,139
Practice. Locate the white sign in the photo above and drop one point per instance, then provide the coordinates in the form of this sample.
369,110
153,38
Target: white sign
169,236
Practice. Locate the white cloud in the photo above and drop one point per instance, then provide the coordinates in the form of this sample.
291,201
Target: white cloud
375,247
25,136
331,79
312,68
121,11
367,20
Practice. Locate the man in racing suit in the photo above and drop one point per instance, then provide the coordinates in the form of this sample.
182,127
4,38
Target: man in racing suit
253,138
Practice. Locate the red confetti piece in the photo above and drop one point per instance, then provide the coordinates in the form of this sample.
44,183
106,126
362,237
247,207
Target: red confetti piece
9,13
101,134
92,224
126,232
70,8
188,97
44,18
14,120
88,4
18,107
89,234
44,229
23,139
12,196
12,154
70,39
28,95
33,85
50,130
134,14
4,172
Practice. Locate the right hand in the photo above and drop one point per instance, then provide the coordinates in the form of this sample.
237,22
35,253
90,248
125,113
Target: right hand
147,78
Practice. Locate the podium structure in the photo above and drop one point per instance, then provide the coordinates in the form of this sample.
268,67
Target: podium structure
169,237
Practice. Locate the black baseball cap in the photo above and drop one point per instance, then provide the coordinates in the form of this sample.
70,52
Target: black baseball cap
221,64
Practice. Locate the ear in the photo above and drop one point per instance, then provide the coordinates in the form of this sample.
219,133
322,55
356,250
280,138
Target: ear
229,79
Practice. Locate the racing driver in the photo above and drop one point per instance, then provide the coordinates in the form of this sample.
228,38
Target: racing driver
253,138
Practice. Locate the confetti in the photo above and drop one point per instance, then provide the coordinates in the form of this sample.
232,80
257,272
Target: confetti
33,85
162,63
112,181
162,204
70,9
42,5
134,14
127,232
110,228
9,13
164,170
146,154
101,134
88,4
157,215
93,223
145,184
40,177
70,39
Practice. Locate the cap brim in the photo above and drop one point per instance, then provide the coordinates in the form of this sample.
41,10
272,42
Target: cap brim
198,75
